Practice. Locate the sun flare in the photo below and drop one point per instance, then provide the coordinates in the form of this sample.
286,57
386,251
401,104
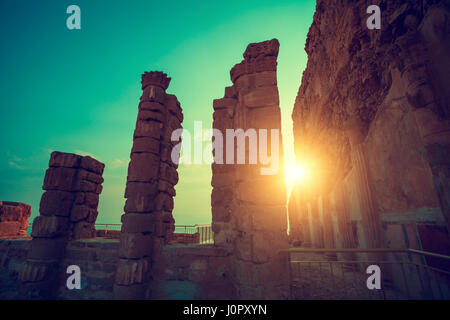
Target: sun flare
300,173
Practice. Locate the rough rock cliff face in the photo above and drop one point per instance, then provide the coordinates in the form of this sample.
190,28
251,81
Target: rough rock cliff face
372,115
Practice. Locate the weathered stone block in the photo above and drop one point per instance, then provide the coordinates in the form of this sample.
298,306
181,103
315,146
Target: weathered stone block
47,248
135,245
87,186
265,118
263,193
91,200
221,180
169,173
152,129
10,228
80,213
221,213
93,165
152,106
132,271
149,145
261,97
83,230
60,178
266,245
243,246
165,186
164,202
90,176
56,203
266,217
49,227
224,103
142,188
147,115
140,203
61,159
143,167
139,223
174,107
221,196
261,79
230,92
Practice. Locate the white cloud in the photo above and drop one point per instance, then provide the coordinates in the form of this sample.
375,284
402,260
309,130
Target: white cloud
117,163
14,165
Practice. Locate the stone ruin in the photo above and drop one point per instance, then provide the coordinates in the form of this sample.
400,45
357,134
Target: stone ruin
248,208
152,174
372,113
14,219
68,211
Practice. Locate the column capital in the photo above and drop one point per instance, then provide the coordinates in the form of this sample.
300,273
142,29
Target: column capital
155,78
258,57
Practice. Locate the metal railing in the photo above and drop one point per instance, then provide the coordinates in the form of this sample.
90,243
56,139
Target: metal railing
342,274
108,227
198,233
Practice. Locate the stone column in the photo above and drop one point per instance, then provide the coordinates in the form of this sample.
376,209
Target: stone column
298,218
68,211
370,218
345,225
428,75
316,224
343,217
249,207
148,222
328,229
305,225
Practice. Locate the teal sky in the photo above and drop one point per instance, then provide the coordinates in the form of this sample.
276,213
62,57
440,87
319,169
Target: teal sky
78,90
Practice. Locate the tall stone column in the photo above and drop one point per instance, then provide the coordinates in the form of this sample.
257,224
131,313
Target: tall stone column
343,217
345,225
328,229
68,211
298,218
428,74
248,203
152,174
370,218
316,224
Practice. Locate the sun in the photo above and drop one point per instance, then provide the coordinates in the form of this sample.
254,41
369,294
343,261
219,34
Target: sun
300,172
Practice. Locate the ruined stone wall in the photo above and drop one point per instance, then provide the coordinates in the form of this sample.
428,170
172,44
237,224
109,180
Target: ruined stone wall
68,211
152,175
373,115
14,219
248,207
193,272
182,272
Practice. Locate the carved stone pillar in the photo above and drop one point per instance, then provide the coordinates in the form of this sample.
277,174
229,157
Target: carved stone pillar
370,218
152,174
316,224
248,200
328,229
68,211
299,218
345,225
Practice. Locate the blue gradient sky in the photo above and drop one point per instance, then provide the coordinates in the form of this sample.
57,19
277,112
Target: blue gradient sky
78,90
